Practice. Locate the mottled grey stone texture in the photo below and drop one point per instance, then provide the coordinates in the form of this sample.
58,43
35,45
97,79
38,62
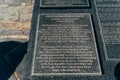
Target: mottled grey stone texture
110,69
64,3
109,17
16,13
9,13
2,2
17,1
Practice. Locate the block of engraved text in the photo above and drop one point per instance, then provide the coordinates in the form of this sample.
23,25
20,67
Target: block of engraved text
65,45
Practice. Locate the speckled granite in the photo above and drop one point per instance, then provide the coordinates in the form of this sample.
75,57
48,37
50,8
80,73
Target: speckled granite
110,69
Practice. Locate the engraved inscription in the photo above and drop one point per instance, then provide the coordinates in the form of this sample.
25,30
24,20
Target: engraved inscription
109,17
108,3
65,45
64,3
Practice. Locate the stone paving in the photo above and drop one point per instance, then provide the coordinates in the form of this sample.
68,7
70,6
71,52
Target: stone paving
15,21
14,30
14,2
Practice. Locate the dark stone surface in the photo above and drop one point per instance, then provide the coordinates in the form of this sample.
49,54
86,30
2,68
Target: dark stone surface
65,45
109,18
64,3
110,68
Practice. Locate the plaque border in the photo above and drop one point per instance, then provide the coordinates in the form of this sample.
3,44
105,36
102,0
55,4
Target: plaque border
61,74
103,41
62,6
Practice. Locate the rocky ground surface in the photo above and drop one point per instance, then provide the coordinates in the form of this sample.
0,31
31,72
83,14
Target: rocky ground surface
15,22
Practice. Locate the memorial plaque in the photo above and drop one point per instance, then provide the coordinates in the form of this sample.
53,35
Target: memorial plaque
108,3
73,42
65,45
109,18
64,3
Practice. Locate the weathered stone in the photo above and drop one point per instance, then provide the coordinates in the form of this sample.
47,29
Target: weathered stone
15,22
12,77
17,1
60,36
24,17
15,25
110,69
26,13
2,2
16,13
64,3
14,31
9,13
109,18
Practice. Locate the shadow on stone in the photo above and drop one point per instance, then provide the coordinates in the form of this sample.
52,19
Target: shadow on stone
11,54
117,71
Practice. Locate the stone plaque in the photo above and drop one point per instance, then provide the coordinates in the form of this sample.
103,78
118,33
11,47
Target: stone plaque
65,45
109,18
64,3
